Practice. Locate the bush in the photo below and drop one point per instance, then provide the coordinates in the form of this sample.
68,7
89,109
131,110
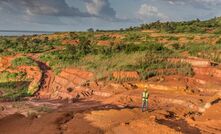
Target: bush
173,38
104,37
194,26
23,61
14,91
176,46
211,52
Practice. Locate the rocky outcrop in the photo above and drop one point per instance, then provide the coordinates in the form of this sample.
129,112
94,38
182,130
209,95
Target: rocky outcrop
69,84
122,75
209,71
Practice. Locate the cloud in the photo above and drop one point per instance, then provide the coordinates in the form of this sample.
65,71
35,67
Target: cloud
36,10
52,11
100,8
148,11
41,7
205,4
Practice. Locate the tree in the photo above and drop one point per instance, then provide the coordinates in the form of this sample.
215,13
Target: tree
84,47
90,30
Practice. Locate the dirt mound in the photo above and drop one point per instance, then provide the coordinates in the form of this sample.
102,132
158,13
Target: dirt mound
5,62
149,31
111,35
206,39
210,121
183,40
121,75
212,113
117,36
126,121
198,62
104,43
51,37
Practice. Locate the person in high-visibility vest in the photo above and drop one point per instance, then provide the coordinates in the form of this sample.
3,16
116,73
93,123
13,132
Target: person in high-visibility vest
145,96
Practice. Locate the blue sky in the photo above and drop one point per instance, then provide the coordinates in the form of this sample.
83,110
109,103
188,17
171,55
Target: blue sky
73,15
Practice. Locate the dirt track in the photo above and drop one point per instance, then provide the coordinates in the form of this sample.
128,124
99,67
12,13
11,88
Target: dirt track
88,117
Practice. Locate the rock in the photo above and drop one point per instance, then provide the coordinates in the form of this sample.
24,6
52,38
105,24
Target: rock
69,83
209,71
2,108
119,75
152,118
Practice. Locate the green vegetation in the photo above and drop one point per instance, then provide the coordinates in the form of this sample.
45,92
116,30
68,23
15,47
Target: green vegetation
68,56
104,37
24,45
6,76
194,26
147,58
173,38
23,61
133,36
14,90
13,86
211,52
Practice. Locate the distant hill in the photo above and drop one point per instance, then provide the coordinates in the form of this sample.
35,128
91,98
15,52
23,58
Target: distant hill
194,26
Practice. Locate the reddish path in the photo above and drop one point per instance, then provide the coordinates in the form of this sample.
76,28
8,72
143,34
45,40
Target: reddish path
47,75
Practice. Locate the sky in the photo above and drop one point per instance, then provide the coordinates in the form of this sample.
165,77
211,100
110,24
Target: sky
79,15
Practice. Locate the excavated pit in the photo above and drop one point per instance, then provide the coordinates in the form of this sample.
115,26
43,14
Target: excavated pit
177,104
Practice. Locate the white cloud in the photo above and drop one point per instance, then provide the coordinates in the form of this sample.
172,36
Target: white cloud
149,11
101,8
197,3
94,7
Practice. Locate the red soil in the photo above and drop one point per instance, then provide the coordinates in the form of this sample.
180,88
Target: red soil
193,61
5,62
208,71
126,75
103,43
67,84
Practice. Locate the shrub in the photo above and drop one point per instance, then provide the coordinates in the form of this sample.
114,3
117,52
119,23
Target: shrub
176,46
23,61
104,37
219,41
14,91
173,38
